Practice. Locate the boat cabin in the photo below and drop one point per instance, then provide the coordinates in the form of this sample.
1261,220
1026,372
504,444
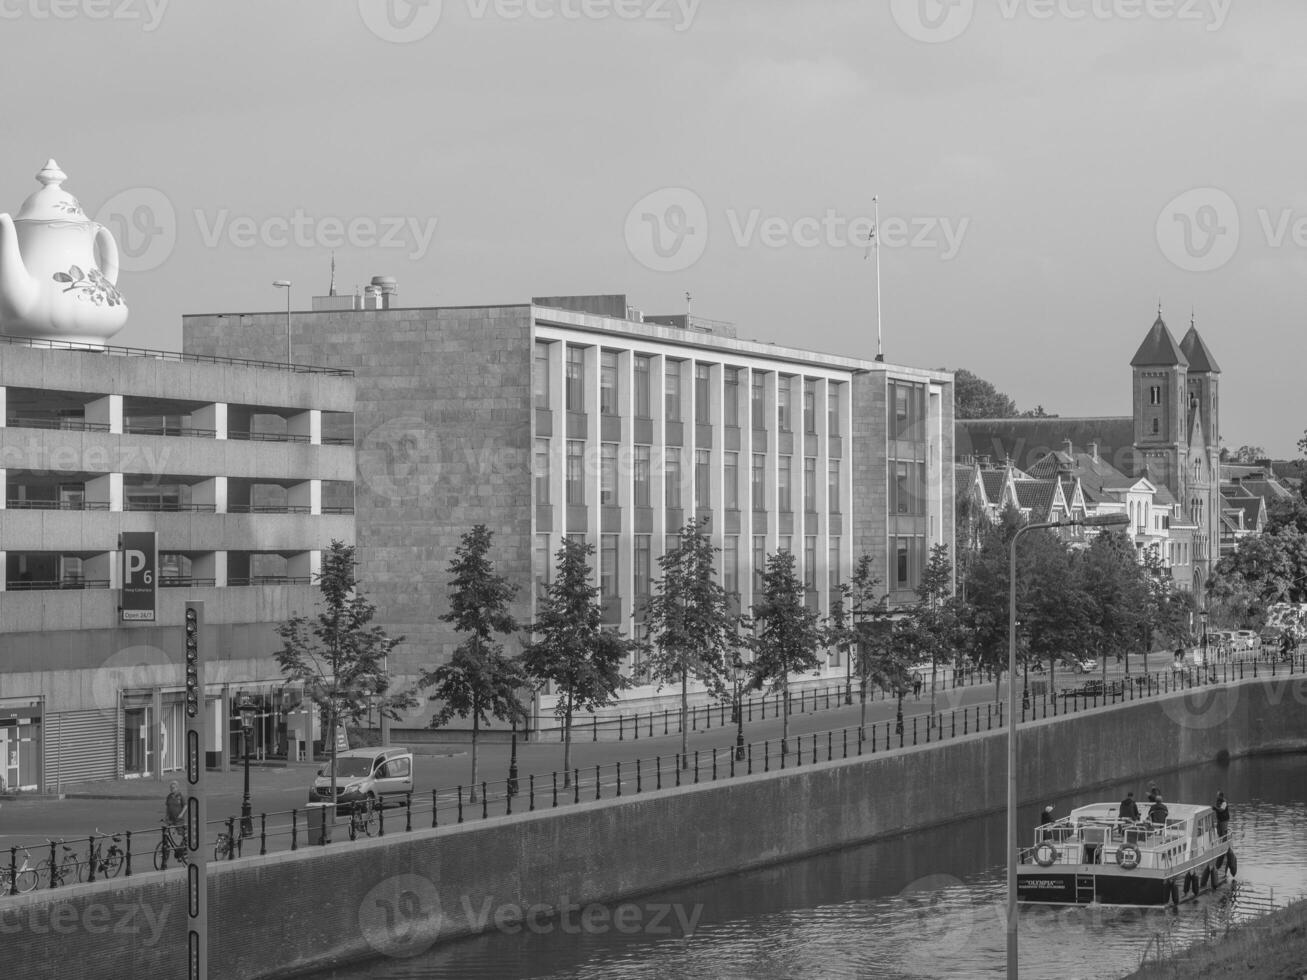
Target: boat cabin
1096,834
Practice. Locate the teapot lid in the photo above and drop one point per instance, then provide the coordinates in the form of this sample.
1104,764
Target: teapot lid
51,202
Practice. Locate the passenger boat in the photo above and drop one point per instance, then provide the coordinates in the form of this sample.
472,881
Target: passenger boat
1095,856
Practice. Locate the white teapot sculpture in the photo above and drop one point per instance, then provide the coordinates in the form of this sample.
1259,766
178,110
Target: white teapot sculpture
58,269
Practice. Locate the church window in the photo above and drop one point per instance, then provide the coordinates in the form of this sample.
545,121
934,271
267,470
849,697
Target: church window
1155,426
1155,395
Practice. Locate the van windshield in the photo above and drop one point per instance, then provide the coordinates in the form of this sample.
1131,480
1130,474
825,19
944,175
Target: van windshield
351,766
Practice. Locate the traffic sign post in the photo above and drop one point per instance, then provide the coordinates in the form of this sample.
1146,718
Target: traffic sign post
197,899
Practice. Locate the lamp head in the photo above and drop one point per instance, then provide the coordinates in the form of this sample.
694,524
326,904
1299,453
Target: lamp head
282,283
1104,520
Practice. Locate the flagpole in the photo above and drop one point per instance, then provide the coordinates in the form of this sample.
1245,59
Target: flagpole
880,353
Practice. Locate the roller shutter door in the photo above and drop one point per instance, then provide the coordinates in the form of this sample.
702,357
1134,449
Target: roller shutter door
81,745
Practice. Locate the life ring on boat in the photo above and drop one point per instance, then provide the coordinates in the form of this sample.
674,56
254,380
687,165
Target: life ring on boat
1190,884
1234,864
1045,855
1127,856
1208,875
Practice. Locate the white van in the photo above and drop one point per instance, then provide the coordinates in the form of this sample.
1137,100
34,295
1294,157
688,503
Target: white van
365,773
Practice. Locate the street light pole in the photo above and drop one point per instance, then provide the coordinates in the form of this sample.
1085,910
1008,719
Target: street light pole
247,711
285,284
1090,520
1203,616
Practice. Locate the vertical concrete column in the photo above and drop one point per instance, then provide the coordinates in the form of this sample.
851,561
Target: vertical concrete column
4,406
107,410
222,728
745,570
593,453
211,492
770,399
935,471
161,731
821,389
307,494
658,456
106,489
626,488
4,576
211,417
306,424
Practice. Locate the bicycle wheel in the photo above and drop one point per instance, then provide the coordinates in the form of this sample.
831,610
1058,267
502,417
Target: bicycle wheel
71,869
369,821
28,879
49,873
113,863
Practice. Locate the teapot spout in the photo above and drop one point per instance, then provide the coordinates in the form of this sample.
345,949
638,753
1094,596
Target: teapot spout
18,291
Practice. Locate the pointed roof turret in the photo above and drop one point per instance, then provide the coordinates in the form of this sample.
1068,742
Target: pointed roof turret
1200,358
1159,348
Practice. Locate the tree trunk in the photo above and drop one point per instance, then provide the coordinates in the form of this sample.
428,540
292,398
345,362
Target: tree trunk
785,710
476,727
862,725
932,682
567,742
331,816
685,718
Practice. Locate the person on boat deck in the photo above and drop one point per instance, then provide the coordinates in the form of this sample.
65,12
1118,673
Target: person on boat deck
1129,809
1046,817
1153,794
1157,812
1222,809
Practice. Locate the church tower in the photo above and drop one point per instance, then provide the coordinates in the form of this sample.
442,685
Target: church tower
1161,409
1204,451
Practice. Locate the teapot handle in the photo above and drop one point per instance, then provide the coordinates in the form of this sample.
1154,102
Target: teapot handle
108,249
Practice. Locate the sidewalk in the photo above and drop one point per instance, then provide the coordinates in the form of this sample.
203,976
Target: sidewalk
263,776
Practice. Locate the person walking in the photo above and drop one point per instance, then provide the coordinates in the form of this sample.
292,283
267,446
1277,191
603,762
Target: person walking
1129,809
1222,809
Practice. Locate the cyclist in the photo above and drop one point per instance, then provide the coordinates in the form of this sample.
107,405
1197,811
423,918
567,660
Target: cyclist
174,814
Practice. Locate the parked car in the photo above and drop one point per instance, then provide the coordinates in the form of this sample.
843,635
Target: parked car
1080,665
364,773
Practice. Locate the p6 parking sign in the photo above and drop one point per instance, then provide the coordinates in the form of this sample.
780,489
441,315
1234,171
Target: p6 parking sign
140,574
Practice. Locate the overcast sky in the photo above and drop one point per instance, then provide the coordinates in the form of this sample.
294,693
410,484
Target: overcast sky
1047,169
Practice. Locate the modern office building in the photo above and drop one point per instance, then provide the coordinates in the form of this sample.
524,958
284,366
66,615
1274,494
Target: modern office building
208,479
579,416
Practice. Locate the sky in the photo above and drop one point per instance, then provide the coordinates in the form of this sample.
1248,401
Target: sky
1045,171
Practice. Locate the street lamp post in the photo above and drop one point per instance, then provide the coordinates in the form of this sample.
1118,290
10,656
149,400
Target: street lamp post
1203,616
739,712
511,787
285,284
1090,520
247,712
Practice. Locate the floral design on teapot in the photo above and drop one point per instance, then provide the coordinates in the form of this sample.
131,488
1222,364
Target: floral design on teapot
91,286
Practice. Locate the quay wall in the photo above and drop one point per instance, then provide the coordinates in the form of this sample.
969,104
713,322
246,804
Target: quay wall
281,914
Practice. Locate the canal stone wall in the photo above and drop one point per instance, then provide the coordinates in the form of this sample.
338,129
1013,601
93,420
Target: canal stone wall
280,914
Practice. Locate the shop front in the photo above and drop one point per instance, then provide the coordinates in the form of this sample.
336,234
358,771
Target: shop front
20,744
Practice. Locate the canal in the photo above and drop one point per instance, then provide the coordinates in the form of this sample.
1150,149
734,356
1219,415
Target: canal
923,906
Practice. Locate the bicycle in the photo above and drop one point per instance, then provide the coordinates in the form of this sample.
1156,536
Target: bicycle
362,819
62,870
16,878
105,864
173,842
226,847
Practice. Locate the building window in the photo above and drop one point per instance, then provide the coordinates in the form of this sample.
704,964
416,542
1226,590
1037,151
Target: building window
731,481
833,409
810,562
833,486
783,543
575,472
702,478
541,564
672,477
540,376
901,492
909,401
731,396
643,407
1155,426
643,561
784,480
608,566
834,566
810,407
907,557
671,543
576,379
901,576
759,561
672,388
759,481
608,383
608,474
1155,395
731,563
703,393
542,472
758,399
810,483
784,406
641,475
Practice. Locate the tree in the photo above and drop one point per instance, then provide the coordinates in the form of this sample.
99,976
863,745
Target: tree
691,628
933,618
479,679
1115,585
573,652
340,656
868,631
788,635
976,398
